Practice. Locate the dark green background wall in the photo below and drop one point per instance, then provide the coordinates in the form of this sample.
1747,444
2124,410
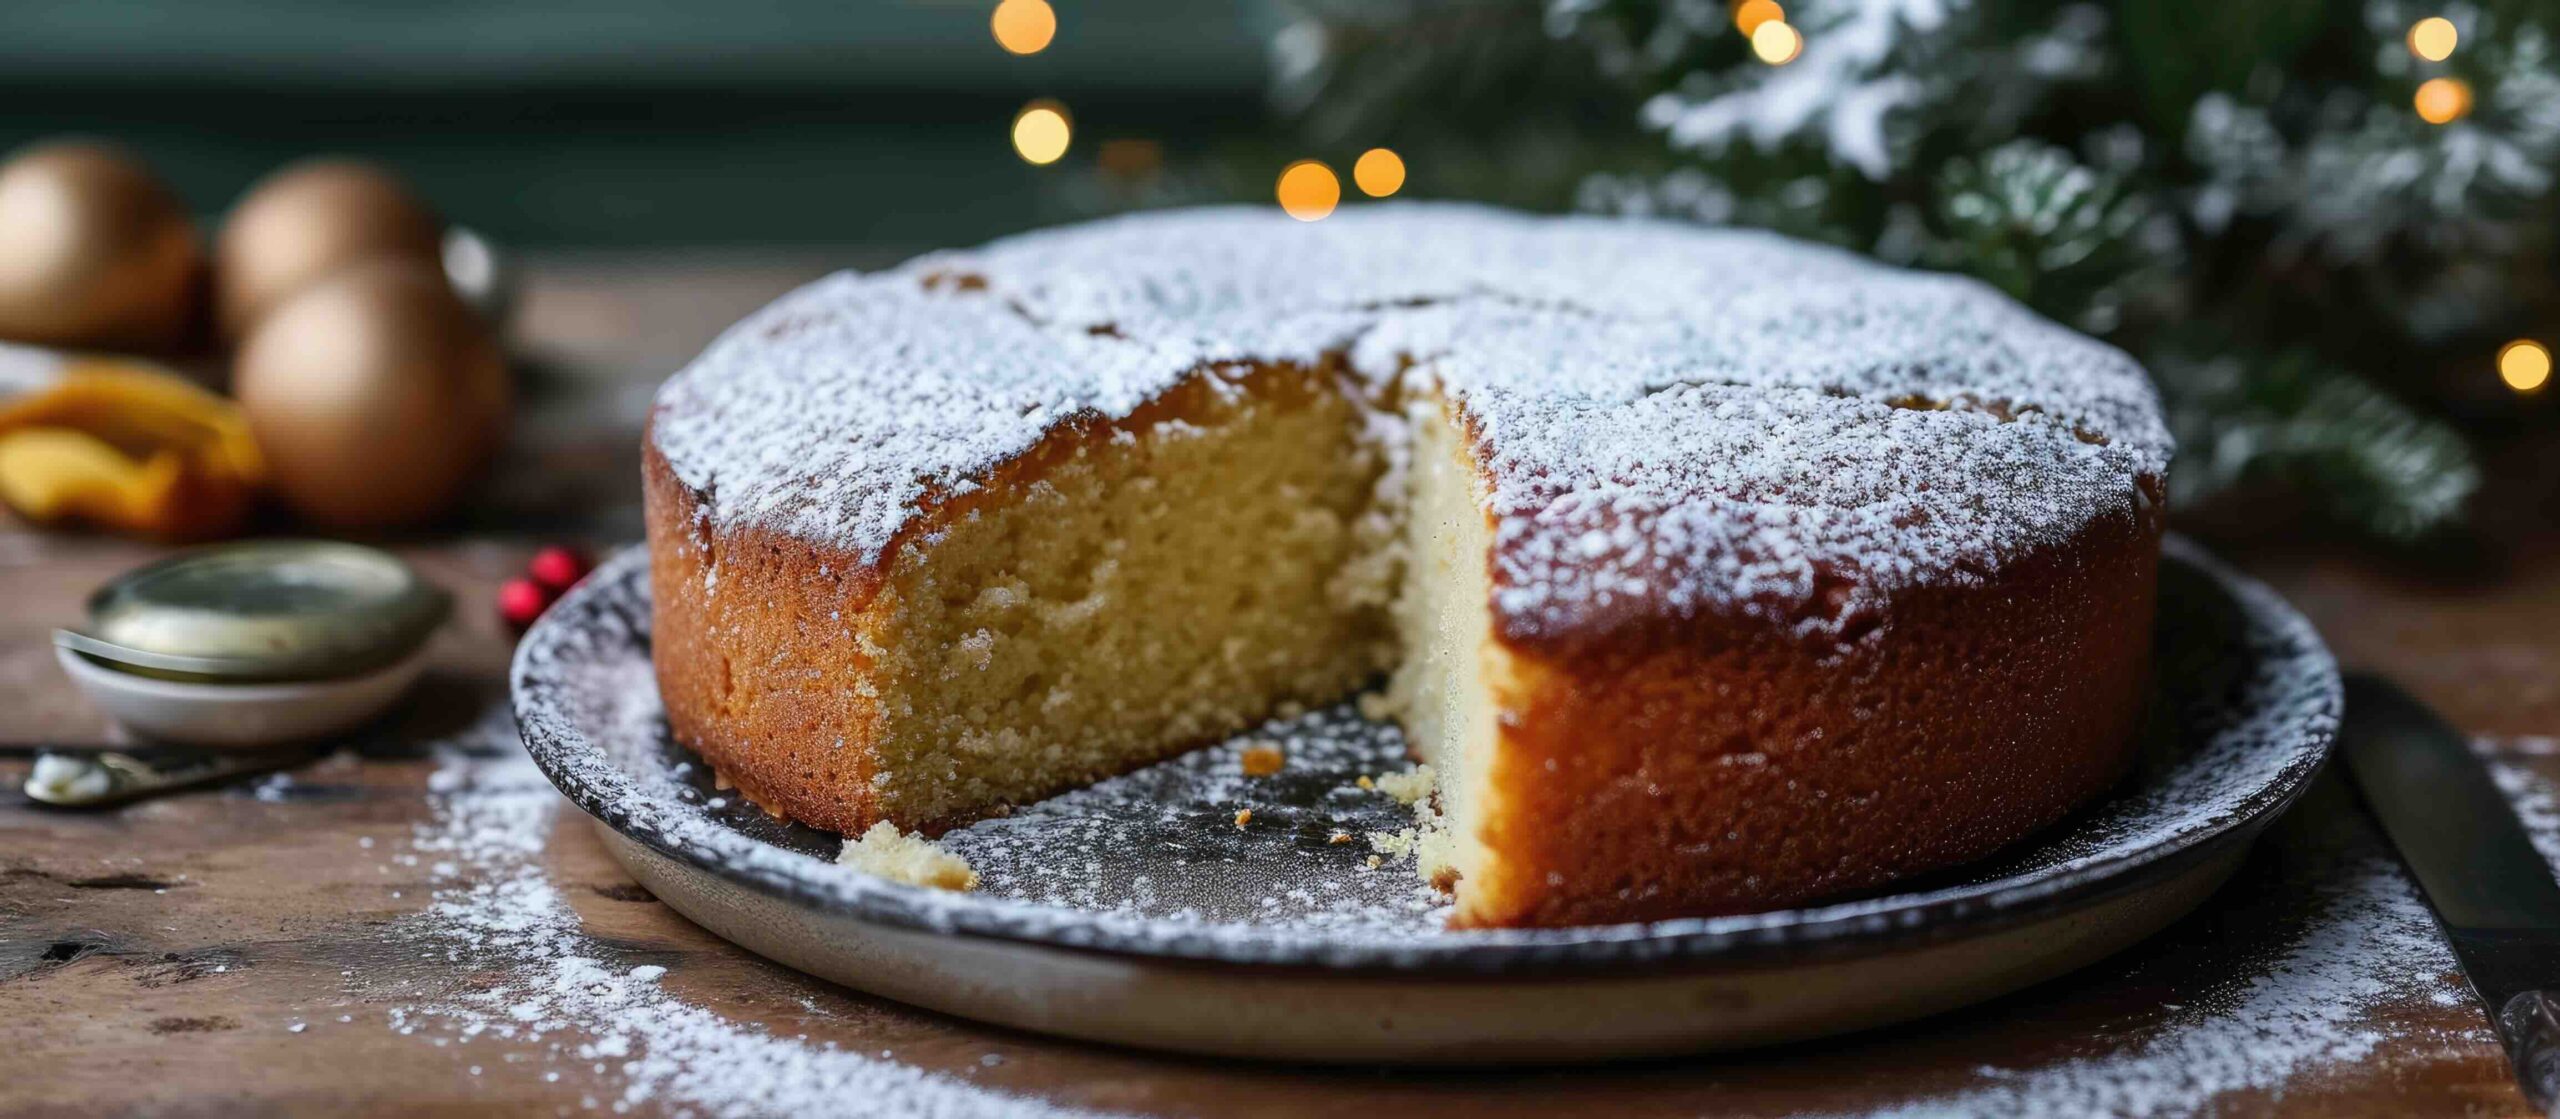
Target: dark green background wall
636,122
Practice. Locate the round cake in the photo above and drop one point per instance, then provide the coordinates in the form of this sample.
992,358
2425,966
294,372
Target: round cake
1709,571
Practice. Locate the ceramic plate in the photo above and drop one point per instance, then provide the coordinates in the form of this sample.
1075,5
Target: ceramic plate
1137,912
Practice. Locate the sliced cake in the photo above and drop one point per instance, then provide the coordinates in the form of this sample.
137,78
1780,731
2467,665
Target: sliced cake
1711,571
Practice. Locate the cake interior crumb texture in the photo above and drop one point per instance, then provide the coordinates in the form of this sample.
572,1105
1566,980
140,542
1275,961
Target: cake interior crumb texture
1260,539
886,851
1144,587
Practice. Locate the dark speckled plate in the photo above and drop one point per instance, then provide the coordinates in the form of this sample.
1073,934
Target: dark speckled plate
1137,911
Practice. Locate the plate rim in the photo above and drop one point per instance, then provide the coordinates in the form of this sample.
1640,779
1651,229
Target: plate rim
1874,924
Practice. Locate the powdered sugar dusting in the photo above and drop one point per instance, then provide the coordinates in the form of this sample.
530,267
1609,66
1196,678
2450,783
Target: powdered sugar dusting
1066,851
2537,803
2356,942
2363,943
1730,413
2369,943
498,912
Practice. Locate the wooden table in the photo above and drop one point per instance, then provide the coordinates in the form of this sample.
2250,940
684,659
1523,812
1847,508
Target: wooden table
241,950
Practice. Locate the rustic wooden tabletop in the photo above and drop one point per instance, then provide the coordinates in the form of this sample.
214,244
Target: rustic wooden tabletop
267,948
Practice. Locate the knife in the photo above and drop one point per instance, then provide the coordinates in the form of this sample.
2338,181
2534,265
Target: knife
2491,892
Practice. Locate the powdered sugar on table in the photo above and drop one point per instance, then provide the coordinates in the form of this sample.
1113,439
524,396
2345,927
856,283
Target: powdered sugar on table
2309,1005
2336,935
497,910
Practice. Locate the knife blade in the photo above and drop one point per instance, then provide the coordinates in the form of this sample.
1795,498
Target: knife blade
2492,893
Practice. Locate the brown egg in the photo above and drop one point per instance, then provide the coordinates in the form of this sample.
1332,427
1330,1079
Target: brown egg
375,394
306,221
94,251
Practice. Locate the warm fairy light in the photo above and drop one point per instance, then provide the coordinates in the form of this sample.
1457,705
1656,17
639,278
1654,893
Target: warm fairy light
1308,190
1040,132
2442,100
1776,42
1379,172
1024,26
2524,364
1750,14
2433,38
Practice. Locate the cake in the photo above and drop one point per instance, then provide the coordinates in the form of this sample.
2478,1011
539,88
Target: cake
1709,571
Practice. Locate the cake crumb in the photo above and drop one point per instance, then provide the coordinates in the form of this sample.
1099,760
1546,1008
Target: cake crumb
1376,707
1394,844
1428,843
1262,759
1375,862
1338,838
1407,787
1244,816
899,857
1366,783
1435,855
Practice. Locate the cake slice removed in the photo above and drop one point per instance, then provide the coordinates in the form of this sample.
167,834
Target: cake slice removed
1124,592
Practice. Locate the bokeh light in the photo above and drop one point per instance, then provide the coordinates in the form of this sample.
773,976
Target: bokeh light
1024,26
1379,172
2443,100
1776,42
1309,190
2524,364
1750,14
2433,38
1041,132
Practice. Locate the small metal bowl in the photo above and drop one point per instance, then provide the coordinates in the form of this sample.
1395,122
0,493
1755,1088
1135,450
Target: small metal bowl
254,644
240,716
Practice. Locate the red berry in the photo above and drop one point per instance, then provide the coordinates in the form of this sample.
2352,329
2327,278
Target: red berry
520,601
557,567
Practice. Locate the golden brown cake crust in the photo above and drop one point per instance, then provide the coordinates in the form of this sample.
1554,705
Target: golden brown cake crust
745,676
1731,767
